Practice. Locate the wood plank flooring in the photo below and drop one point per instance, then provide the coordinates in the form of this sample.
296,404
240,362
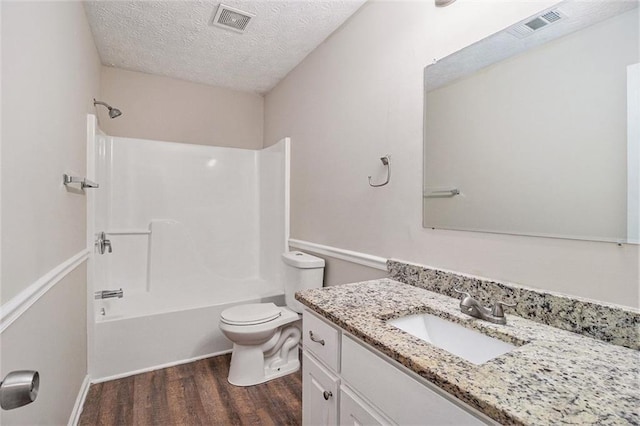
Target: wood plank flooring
193,394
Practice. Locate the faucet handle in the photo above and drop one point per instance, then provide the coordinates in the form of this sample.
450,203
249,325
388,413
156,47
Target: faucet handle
466,300
497,310
466,294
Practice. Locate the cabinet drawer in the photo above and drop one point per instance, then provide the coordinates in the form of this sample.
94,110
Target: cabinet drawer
319,394
321,339
396,394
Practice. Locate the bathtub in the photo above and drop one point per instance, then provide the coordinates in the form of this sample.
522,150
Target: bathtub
194,230
146,331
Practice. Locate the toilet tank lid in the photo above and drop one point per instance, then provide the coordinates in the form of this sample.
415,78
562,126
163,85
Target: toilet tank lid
302,260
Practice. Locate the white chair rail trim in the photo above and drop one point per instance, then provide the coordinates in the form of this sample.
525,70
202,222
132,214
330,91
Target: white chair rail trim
16,306
338,253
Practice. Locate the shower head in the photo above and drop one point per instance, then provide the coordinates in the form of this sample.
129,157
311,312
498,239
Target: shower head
113,112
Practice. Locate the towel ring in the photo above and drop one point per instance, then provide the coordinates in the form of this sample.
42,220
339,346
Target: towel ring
386,161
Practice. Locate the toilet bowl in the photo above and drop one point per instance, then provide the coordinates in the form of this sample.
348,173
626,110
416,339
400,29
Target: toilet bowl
265,342
265,336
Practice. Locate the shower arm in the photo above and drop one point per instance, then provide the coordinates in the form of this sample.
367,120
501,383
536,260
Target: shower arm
102,103
113,112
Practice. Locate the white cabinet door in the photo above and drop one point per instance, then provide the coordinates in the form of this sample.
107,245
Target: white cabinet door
355,412
319,394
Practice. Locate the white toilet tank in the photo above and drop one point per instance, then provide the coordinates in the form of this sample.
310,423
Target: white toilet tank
302,271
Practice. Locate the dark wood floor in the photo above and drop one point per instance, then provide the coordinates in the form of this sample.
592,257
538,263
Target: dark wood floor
193,394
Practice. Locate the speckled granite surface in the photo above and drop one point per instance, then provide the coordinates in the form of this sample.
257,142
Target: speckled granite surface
553,377
615,324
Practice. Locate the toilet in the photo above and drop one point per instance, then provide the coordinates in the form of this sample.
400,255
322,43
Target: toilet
265,336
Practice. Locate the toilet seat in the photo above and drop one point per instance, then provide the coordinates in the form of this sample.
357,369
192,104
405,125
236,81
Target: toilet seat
250,314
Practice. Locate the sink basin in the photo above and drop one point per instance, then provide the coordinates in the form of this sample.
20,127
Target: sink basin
469,344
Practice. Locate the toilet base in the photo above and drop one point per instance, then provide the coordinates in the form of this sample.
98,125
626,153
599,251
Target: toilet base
252,365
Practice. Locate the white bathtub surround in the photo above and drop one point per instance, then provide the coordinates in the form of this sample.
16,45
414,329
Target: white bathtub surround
194,230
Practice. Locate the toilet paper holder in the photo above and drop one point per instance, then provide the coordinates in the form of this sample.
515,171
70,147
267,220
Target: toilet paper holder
19,388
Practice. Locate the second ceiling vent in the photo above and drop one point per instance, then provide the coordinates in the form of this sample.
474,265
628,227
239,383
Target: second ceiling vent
233,19
523,29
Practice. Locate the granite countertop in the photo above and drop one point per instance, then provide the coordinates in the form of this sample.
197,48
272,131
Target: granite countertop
553,376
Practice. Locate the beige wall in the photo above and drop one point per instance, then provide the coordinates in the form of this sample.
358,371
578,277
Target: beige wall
338,271
50,337
359,96
50,73
162,108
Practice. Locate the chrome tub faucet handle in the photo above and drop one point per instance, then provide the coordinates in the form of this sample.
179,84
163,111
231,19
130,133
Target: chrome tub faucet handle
103,244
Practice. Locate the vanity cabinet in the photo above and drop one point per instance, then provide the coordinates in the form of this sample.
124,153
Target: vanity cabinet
347,382
402,398
322,340
320,368
319,393
356,412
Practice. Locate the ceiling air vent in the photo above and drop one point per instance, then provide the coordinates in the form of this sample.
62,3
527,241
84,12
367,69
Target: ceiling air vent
230,18
524,29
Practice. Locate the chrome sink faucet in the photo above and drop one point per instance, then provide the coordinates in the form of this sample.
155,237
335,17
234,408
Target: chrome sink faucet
470,306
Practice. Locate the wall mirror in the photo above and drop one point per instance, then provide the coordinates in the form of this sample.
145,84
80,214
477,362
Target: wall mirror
535,130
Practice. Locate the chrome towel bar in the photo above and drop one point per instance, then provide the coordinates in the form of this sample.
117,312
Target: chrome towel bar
438,193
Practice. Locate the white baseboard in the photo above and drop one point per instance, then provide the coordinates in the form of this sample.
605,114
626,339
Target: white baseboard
77,407
16,306
158,367
364,259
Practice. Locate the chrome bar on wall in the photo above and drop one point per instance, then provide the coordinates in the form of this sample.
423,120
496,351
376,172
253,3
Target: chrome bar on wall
441,192
128,232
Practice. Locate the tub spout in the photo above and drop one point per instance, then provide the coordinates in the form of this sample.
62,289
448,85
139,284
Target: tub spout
108,294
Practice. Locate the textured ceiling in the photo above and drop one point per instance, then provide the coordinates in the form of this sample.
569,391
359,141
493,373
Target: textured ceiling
174,38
